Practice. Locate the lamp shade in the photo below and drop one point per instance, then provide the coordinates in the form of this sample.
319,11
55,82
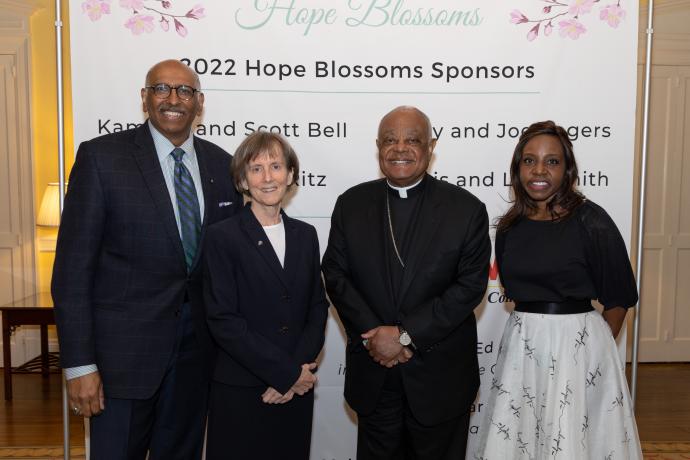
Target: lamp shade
49,212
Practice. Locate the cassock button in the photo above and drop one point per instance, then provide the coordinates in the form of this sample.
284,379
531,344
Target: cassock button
286,297
177,312
284,329
260,243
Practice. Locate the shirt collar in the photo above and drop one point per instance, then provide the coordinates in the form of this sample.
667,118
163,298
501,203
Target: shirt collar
402,191
164,146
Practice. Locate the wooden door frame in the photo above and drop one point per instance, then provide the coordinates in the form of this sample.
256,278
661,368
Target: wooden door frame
670,48
15,42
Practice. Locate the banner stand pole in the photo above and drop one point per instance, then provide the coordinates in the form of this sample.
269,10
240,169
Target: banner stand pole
61,182
643,183
65,420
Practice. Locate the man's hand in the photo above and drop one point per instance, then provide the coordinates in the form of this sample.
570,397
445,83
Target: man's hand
383,343
306,380
404,356
86,394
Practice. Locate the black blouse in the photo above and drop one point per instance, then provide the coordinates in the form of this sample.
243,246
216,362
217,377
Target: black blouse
580,257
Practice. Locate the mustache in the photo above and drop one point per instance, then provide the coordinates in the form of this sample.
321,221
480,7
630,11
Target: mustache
170,108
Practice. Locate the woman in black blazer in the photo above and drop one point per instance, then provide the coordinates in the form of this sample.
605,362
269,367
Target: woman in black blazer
266,309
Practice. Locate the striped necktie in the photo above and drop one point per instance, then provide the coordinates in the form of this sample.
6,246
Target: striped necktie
188,208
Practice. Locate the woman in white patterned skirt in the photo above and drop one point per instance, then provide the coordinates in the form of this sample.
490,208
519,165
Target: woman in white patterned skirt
559,390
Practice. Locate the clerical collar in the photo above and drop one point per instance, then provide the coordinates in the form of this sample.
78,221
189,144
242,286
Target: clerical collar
403,191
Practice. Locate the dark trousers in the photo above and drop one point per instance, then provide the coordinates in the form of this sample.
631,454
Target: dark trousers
171,423
392,433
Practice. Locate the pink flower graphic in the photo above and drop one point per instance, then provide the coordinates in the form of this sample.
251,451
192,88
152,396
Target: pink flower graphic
196,13
612,14
135,5
180,28
516,17
571,28
566,15
579,7
96,8
140,23
143,14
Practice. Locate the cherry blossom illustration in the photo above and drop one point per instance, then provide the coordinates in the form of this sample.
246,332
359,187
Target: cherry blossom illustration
566,16
612,14
145,15
95,8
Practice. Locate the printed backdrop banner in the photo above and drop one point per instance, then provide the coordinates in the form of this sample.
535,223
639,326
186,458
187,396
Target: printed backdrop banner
323,73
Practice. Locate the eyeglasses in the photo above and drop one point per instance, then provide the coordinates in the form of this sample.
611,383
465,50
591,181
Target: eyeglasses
163,90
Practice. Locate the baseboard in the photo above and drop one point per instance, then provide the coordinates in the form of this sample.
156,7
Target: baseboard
40,453
666,447
78,453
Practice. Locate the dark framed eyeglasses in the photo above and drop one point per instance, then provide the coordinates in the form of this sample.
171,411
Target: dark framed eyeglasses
163,90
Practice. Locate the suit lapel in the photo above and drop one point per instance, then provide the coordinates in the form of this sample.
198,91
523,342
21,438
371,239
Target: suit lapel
206,181
293,249
426,226
147,160
260,241
207,189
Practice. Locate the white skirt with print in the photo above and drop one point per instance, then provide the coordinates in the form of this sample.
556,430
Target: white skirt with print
558,392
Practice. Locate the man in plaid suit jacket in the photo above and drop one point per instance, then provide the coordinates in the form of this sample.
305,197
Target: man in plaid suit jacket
131,324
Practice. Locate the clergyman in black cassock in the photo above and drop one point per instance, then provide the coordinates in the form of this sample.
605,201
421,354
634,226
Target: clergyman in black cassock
406,264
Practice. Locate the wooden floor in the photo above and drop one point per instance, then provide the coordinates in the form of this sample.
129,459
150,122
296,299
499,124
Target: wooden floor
34,417
663,402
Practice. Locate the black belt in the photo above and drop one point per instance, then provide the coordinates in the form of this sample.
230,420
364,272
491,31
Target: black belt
568,307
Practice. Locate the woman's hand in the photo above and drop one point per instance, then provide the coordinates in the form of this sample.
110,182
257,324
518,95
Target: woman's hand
304,383
306,380
614,317
271,396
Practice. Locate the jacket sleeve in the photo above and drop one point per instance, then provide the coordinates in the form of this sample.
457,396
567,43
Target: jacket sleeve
313,334
607,258
353,310
439,316
76,255
228,326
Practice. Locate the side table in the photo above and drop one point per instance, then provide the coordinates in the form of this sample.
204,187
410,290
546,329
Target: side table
38,310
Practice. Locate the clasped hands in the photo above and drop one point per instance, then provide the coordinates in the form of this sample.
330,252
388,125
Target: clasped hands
304,383
384,346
